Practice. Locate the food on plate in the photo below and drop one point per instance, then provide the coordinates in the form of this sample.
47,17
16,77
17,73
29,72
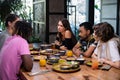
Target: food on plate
39,57
42,51
34,52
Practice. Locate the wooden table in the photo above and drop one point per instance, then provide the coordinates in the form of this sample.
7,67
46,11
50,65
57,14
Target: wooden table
86,73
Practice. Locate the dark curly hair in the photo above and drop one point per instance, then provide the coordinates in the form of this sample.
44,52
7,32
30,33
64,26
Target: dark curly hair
23,29
104,31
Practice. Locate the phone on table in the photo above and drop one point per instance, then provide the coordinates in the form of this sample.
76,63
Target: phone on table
105,67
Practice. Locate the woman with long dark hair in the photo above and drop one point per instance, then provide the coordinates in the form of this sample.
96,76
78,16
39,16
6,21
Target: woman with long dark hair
65,37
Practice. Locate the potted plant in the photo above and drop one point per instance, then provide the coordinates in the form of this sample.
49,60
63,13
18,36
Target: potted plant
8,6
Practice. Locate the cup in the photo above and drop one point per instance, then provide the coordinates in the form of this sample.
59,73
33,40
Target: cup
42,62
69,53
95,64
53,46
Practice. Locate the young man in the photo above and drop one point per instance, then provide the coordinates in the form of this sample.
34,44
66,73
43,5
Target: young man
15,52
9,23
85,45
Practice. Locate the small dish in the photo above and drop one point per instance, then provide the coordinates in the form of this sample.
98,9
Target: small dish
80,60
49,50
62,52
53,60
89,63
57,55
65,67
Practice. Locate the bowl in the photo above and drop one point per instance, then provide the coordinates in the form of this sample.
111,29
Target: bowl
49,50
57,54
53,59
80,60
62,52
45,46
65,66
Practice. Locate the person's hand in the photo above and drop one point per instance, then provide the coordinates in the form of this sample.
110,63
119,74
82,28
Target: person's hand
63,48
57,42
102,60
78,52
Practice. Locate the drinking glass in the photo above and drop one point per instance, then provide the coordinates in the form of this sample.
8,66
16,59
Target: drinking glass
69,53
42,62
95,63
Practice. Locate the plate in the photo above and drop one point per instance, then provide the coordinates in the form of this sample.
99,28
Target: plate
89,63
37,58
34,52
57,68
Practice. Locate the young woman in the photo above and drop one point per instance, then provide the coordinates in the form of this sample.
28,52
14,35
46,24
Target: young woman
108,48
15,52
65,37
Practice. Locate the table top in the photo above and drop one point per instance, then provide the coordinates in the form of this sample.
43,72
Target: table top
85,73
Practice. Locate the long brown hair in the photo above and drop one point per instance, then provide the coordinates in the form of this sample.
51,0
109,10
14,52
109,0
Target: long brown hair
104,31
66,25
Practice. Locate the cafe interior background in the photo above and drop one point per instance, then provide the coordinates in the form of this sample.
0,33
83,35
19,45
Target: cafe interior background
44,15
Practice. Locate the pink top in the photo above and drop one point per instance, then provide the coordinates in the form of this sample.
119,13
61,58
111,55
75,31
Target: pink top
10,57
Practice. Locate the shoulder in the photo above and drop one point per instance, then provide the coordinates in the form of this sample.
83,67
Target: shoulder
67,34
19,39
113,41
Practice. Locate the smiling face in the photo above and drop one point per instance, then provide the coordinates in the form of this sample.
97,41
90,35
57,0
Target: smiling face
60,26
83,33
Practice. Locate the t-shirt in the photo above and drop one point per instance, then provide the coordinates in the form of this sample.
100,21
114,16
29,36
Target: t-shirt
108,50
3,36
85,44
10,57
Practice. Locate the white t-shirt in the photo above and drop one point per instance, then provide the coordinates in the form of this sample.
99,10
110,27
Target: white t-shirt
108,50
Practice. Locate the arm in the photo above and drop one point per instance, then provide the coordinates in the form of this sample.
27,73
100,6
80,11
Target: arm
27,62
114,53
89,51
94,56
115,64
76,49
